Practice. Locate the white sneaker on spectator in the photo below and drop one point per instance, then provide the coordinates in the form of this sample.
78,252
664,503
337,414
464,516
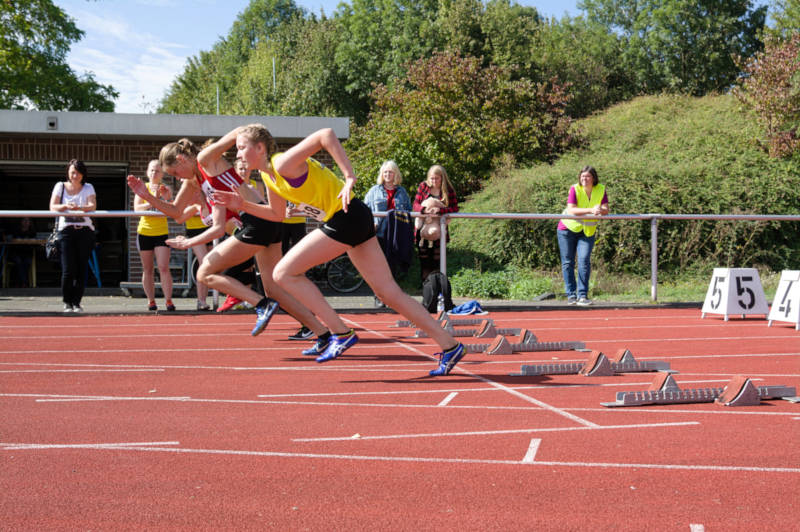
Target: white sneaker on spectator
584,302
67,307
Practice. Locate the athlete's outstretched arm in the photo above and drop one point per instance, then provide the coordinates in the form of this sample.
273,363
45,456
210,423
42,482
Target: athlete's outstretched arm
292,163
275,211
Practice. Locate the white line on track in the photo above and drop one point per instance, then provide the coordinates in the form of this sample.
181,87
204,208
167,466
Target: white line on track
496,432
447,399
82,370
499,386
420,459
41,446
532,449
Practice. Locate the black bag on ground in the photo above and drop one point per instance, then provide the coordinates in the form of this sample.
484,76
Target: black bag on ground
436,283
51,248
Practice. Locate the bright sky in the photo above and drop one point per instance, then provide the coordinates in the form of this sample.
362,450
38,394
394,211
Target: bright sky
140,46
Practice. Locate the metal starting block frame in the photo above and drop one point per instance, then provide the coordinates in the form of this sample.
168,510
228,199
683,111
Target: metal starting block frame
445,319
740,391
523,342
598,365
485,329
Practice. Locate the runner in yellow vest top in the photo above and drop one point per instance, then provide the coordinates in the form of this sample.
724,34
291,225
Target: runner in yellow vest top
576,238
151,240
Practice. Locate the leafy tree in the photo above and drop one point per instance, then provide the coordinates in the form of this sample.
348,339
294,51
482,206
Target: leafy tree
585,56
195,90
510,33
685,46
771,87
452,111
381,36
786,15
34,74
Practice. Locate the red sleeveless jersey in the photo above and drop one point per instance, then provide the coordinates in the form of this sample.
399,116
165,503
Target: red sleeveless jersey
227,181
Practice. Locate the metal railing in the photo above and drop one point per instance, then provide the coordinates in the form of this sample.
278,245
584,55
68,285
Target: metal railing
652,217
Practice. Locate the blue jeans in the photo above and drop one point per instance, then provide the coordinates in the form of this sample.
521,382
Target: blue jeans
575,246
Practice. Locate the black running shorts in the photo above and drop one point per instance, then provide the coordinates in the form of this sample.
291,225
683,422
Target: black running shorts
149,243
353,227
258,231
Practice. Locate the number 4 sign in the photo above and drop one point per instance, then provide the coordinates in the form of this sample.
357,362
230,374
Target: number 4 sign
786,305
735,291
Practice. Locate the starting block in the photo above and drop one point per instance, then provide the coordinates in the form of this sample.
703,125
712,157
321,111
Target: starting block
523,342
485,329
598,365
445,319
740,391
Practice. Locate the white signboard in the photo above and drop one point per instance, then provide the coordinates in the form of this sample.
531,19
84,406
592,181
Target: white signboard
735,291
786,305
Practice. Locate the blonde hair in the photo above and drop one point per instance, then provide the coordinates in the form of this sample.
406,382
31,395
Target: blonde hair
169,154
390,165
446,186
258,133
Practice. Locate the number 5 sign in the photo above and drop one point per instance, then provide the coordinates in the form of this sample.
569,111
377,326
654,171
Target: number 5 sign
735,291
786,305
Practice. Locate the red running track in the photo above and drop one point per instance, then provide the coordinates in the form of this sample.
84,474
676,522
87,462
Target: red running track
188,423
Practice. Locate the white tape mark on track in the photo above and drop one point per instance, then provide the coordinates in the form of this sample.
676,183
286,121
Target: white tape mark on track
532,450
497,385
447,399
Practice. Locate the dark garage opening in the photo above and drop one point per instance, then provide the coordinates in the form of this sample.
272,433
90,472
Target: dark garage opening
27,185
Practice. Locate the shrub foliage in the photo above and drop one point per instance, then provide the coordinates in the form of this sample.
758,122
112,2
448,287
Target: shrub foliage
453,111
665,154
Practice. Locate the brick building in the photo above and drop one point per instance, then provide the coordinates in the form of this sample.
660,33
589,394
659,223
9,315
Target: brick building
36,145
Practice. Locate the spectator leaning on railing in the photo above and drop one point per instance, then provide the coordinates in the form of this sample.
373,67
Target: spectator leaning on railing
77,232
576,238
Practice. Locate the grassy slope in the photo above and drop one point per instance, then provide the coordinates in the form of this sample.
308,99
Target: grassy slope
668,154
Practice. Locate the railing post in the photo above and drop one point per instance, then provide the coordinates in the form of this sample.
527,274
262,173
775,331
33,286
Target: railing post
443,244
654,258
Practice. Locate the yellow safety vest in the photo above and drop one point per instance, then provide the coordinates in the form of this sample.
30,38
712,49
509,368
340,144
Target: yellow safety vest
584,202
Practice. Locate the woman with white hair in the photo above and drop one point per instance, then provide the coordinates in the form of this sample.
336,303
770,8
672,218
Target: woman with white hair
386,195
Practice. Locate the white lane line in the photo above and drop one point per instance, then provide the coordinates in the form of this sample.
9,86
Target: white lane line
497,432
532,450
698,339
447,399
497,385
696,528
40,446
81,370
419,459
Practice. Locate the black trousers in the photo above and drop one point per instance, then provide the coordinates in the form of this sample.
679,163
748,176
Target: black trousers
76,246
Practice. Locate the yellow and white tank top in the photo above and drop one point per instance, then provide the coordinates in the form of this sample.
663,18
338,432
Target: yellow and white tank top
314,193
152,225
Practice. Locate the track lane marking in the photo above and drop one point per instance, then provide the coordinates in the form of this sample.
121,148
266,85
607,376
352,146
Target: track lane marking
422,459
447,399
497,385
532,450
497,432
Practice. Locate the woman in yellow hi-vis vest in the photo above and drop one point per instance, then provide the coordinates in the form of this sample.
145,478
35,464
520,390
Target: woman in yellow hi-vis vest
576,237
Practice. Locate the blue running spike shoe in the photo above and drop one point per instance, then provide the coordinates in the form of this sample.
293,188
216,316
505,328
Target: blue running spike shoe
264,313
318,348
448,360
338,345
